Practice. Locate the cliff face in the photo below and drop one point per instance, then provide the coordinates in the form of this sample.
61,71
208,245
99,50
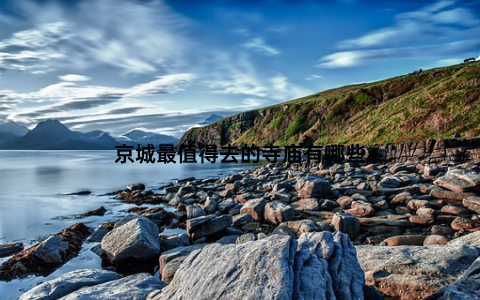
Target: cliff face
223,131
437,103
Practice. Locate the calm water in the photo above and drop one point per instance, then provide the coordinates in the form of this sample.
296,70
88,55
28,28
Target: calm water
33,203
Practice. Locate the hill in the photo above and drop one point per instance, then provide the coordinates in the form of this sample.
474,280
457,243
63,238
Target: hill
13,128
53,135
436,103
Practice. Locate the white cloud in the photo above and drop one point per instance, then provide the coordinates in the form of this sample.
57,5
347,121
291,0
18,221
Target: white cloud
313,77
241,78
64,98
432,22
259,45
97,33
74,77
362,57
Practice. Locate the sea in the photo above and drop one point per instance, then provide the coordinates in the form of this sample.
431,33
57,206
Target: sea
37,196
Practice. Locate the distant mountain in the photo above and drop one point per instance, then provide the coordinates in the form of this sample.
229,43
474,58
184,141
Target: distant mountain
53,135
13,128
7,137
102,138
143,138
210,120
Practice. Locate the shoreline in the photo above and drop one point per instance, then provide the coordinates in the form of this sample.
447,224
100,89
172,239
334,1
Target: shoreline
381,206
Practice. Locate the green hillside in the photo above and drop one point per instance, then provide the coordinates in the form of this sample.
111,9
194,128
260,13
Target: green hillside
436,103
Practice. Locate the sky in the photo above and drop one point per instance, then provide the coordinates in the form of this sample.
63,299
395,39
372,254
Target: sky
165,65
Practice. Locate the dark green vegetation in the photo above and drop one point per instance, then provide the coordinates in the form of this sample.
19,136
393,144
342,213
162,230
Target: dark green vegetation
435,103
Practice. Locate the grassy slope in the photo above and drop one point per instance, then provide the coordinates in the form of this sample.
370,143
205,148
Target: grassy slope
433,104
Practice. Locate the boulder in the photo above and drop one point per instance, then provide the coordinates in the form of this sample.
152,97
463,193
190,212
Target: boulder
344,201
326,267
277,212
346,223
313,187
100,232
210,206
255,208
306,204
361,209
170,268
472,203
46,256
413,272
99,211
471,239
301,226
132,244
454,210
134,287
247,237
441,193
174,241
180,252
241,219
422,220
194,211
206,225
460,181
433,240
318,266
136,187
462,224
466,287
402,240
69,283
9,249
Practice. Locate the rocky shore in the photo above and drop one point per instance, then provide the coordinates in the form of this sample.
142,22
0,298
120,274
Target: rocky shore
408,230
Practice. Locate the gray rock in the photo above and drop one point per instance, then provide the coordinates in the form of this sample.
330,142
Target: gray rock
413,272
69,283
204,226
229,239
465,288
136,187
277,212
255,208
9,249
170,255
258,270
346,223
326,267
98,234
472,203
135,241
210,205
472,239
194,211
301,226
174,241
50,251
125,220
313,187
247,237
241,219
134,287
319,266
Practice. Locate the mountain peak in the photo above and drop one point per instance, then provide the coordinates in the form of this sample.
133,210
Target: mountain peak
211,119
13,128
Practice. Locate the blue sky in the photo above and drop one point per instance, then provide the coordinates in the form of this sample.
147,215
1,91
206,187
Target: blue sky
164,66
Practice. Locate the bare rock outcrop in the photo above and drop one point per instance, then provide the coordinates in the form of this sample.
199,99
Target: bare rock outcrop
317,266
414,272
